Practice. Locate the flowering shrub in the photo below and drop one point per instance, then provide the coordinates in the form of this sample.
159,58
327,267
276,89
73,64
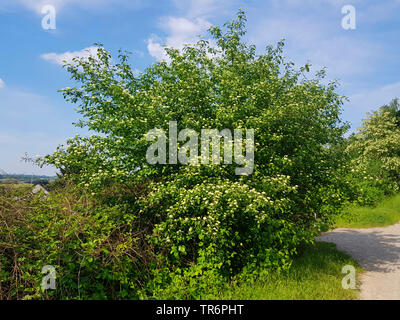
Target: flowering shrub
374,152
204,219
228,223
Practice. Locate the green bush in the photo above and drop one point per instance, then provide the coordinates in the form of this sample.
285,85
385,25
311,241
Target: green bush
202,220
215,229
98,251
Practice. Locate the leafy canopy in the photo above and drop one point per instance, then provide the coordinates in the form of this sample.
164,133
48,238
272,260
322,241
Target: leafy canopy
205,215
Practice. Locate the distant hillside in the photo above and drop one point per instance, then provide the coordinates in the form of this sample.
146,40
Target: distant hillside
23,178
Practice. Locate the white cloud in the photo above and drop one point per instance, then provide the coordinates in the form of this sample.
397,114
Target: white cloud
1,83
186,27
155,49
180,31
373,99
37,5
61,58
182,28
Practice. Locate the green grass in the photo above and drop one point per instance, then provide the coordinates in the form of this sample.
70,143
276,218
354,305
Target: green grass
384,214
315,275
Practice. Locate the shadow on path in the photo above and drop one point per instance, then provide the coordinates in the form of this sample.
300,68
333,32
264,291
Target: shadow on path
376,249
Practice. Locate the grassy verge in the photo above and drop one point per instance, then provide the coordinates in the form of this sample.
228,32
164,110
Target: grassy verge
384,214
315,275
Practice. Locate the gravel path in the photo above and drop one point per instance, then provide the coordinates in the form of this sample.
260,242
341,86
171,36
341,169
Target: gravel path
378,252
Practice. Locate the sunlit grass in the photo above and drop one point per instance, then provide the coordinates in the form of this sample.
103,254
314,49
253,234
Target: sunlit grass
315,275
384,214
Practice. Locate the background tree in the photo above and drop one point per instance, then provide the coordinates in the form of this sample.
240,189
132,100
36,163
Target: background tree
375,151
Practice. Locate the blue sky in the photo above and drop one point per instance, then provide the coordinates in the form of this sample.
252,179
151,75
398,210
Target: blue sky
34,117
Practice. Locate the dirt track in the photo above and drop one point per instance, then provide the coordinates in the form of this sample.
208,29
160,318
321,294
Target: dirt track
378,251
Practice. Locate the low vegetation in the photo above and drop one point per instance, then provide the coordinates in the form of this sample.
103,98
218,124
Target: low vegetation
99,250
